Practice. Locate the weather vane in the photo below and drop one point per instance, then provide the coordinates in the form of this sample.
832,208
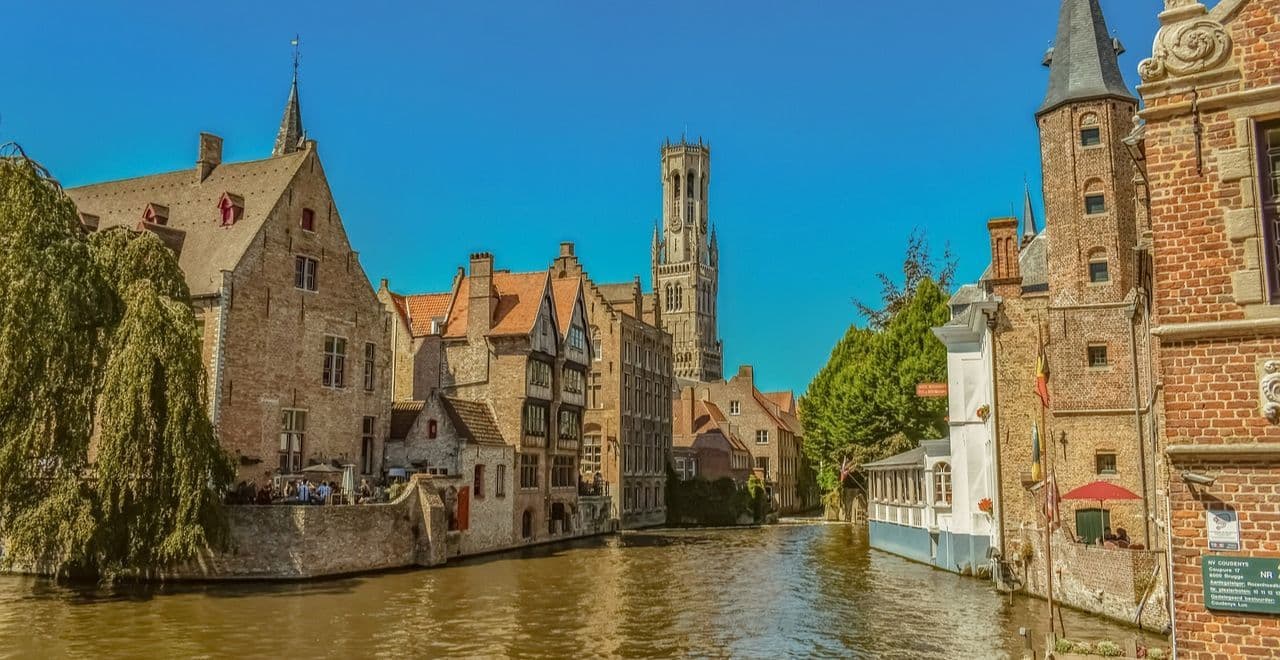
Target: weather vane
296,40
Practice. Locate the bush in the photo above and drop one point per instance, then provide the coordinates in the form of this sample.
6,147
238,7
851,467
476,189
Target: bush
1157,654
716,503
1082,648
1064,646
1108,649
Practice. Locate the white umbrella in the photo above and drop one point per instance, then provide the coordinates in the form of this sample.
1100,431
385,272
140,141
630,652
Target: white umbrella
349,482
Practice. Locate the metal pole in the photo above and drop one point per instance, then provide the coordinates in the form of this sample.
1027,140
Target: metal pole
1137,424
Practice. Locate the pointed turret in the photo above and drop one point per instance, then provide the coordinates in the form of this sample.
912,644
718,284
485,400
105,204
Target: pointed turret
291,135
1029,229
1083,60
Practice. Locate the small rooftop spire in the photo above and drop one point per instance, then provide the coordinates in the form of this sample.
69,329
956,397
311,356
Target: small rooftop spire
1083,60
291,134
1029,230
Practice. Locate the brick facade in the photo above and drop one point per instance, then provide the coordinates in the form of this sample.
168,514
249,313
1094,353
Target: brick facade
627,426
1216,326
271,342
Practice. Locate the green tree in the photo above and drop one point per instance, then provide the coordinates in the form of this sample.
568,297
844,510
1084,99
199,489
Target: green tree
862,405
98,333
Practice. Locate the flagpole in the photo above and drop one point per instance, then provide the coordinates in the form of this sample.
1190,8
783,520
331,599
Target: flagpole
1048,485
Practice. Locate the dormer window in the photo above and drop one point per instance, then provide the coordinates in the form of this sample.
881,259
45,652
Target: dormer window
308,220
230,208
89,222
156,214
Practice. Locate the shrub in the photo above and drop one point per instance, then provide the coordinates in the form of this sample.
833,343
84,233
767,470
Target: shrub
1082,648
1157,654
1064,646
1108,649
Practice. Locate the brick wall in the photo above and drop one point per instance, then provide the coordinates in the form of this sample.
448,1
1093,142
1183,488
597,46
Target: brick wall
1212,318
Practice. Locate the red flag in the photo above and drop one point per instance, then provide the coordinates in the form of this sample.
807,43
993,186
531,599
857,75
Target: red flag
1042,379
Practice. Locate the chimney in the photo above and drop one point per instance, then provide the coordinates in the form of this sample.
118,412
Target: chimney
746,371
479,296
209,156
1004,251
566,249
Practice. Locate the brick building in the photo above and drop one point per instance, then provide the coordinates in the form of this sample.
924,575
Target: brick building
627,421
768,425
703,444
517,343
294,338
1211,143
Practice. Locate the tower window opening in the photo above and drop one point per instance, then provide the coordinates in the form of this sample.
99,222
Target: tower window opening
1090,137
1095,204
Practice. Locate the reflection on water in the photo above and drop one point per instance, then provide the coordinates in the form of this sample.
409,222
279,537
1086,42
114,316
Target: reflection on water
787,591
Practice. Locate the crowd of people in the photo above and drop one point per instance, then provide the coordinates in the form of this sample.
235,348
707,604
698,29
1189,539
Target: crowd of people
304,491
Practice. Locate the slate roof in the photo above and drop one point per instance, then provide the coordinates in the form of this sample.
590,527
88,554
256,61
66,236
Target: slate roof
403,415
1083,61
1033,262
207,247
928,448
473,420
291,134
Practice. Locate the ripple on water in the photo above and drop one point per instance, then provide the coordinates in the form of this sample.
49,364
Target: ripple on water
783,591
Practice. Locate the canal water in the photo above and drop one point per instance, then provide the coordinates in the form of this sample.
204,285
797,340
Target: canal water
781,591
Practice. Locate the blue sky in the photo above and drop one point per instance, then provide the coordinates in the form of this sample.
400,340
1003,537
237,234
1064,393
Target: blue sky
448,128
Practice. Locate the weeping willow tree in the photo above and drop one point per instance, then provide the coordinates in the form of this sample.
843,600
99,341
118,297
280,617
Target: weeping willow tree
98,333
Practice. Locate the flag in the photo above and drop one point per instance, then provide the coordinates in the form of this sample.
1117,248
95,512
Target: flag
1037,471
1051,501
846,466
1042,379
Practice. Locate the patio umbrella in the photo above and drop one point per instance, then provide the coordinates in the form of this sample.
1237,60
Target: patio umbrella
1101,491
348,482
320,468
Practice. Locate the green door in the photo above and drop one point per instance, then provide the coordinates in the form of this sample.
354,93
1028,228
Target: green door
1090,523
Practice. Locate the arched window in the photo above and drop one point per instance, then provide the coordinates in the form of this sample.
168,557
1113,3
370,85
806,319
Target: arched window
669,307
693,182
942,484
675,181
704,188
679,297
526,524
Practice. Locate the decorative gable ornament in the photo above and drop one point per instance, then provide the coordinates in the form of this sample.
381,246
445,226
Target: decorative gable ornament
230,208
1188,43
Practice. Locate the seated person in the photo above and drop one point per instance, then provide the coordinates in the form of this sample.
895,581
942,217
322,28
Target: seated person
1107,535
1122,538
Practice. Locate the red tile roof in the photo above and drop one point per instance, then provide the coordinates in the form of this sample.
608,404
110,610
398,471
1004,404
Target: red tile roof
565,293
519,297
425,307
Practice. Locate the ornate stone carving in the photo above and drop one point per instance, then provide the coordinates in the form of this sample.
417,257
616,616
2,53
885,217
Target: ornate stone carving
1186,47
1269,389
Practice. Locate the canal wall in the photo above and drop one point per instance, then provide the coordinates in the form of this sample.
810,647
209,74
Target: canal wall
299,542
965,554
1112,582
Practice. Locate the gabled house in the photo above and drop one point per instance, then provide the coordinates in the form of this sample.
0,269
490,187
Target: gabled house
294,338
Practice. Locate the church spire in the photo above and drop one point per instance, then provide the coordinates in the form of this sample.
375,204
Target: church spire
291,134
1083,60
1029,230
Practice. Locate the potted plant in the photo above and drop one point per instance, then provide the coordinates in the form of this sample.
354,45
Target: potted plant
986,506
984,412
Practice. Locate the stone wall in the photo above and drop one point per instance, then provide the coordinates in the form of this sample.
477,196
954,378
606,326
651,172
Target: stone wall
1111,582
298,542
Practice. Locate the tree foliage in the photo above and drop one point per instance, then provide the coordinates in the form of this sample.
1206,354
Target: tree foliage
862,405
918,265
98,335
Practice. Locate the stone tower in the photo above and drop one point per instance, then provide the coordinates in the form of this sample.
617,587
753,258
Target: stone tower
1089,193
686,264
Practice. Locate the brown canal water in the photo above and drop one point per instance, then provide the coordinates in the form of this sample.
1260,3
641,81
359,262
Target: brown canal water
782,591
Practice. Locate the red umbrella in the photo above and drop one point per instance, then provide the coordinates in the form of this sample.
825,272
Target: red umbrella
1101,490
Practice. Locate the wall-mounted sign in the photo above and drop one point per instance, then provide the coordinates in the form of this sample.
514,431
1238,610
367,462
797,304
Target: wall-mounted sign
1224,529
1242,584
931,390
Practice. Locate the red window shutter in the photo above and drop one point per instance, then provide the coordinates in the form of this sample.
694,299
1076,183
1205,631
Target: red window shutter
464,509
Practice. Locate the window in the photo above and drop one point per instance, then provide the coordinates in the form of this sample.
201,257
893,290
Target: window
433,429
1097,356
539,373
335,362
1106,463
597,346
762,437
477,484
1269,195
562,472
528,471
570,424
500,482
591,455
367,426
762,464
577,338
942,484
535,420
292,433
574,381
1095,204
369,349
1098,272
230,208
526,524
308,220
304,273
735,408
1090,137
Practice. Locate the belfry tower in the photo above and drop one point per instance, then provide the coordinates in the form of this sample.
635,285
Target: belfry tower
686,263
